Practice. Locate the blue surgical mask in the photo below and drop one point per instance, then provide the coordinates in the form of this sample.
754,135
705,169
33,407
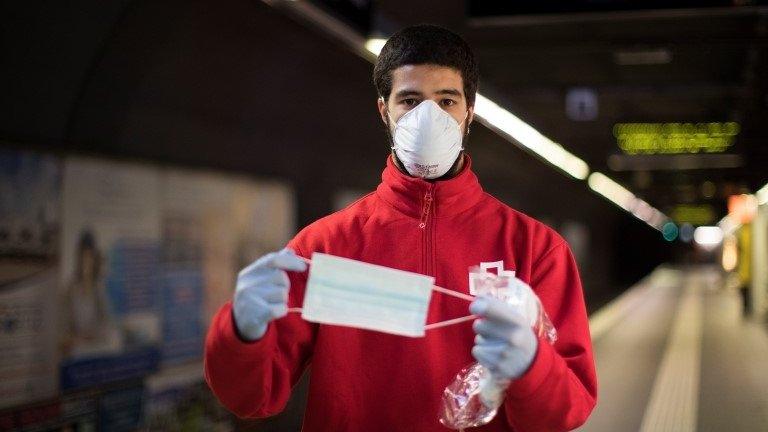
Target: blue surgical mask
346,292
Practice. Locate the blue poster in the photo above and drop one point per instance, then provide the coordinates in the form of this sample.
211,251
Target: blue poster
182,315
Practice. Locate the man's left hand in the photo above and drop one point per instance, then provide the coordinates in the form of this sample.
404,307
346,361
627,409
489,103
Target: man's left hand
505,343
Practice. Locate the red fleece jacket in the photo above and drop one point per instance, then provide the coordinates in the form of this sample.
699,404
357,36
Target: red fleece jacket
370,381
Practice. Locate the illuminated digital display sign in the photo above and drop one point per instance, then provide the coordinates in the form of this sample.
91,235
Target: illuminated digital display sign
694,214
675,138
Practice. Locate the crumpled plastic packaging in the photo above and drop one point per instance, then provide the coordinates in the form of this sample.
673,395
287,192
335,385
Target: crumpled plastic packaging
475,395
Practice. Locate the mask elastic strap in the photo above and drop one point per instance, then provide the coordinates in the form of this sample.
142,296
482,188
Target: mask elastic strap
466,114
391,122
450,322
432,326
453,321
436,288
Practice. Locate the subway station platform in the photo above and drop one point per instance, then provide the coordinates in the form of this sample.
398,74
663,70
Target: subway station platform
676,353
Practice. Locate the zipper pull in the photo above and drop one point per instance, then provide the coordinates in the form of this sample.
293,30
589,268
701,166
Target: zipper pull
425,209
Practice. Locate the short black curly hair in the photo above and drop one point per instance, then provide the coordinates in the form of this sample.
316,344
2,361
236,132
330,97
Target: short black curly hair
426,44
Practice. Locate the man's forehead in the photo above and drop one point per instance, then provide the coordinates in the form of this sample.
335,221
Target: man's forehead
427,78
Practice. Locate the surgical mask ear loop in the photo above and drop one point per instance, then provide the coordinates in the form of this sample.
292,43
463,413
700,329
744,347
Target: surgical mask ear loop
436,288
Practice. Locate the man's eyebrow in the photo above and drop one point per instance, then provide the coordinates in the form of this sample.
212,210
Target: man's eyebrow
411,92
449,91
407,92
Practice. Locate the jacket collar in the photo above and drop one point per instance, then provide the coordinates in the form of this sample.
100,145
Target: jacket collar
408,194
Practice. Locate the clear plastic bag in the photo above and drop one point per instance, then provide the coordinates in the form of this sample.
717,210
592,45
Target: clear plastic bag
475,395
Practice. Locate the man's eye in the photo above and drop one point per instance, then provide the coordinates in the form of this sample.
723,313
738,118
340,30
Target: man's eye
409,102
448,102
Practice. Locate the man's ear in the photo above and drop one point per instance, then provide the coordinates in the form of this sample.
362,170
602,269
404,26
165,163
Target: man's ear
382,110
471,115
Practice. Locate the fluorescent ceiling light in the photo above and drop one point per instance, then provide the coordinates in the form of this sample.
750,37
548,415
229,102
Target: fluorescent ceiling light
375,45
510,125
619,195
762,195
728,225
608,188
708,235
642,210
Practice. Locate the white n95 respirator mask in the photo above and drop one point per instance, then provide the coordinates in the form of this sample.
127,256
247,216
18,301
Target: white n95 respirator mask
427,140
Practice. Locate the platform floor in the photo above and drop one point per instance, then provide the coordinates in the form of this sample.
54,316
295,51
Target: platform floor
675,353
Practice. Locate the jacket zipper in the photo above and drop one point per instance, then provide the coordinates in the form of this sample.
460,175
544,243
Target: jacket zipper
426,206
424,225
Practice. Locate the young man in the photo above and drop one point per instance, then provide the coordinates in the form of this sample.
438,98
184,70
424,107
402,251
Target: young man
429,215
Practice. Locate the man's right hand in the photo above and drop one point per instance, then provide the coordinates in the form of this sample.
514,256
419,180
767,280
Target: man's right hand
261,294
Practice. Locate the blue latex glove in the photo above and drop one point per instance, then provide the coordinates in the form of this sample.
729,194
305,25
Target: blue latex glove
262,292
505,342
